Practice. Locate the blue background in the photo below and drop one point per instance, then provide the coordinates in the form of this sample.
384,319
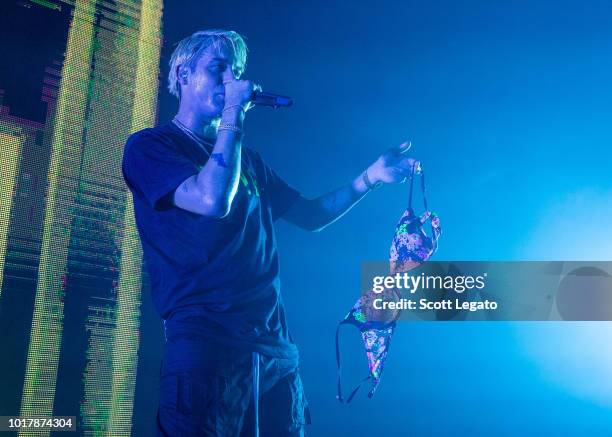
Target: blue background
508,106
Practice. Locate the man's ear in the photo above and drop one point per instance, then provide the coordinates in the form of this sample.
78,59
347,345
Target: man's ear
182,74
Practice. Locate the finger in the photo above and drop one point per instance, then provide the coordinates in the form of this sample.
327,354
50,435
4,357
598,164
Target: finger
412,165
419,168
402,175
257,87
407,163
401,149
404,147
416,167
406,170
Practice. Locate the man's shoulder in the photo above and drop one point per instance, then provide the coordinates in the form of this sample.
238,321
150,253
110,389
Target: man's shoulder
150,144
161,133
154,141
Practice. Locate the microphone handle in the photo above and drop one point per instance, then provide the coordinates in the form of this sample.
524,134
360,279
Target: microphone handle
261,98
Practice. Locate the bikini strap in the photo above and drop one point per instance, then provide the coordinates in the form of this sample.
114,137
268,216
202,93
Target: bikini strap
412,175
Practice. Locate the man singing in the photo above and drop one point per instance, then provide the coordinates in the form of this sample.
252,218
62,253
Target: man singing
205,207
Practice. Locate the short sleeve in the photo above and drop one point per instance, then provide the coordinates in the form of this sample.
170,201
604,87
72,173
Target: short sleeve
153,168
279,193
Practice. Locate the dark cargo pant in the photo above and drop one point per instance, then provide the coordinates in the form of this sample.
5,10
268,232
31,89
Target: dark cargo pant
208,390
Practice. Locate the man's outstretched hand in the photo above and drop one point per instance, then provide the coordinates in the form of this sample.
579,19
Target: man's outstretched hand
315,214
393,166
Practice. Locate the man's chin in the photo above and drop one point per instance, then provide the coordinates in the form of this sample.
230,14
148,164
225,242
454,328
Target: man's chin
214,112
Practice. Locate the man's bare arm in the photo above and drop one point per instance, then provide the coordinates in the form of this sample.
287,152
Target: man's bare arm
212,190
316,214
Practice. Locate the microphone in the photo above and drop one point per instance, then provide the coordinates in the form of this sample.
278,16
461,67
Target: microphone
260,98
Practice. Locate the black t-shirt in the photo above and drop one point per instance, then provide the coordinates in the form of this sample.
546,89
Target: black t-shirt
216,277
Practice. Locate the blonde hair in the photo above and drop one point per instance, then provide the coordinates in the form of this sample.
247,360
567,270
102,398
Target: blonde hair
189,50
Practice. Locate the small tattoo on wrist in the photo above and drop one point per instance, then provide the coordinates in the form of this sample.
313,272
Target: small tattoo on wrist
218,158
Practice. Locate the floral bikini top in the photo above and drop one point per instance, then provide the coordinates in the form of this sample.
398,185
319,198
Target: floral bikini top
410,247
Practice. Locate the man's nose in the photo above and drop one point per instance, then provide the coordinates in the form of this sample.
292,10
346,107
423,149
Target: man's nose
228,75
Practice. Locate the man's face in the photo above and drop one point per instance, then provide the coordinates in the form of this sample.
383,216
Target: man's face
203,90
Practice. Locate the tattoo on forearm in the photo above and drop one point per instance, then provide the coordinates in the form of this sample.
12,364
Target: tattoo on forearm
185,189
218,158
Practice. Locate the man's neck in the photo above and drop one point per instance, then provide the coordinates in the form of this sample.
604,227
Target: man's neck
202,126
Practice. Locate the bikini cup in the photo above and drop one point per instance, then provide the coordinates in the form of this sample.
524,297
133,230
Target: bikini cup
411,246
